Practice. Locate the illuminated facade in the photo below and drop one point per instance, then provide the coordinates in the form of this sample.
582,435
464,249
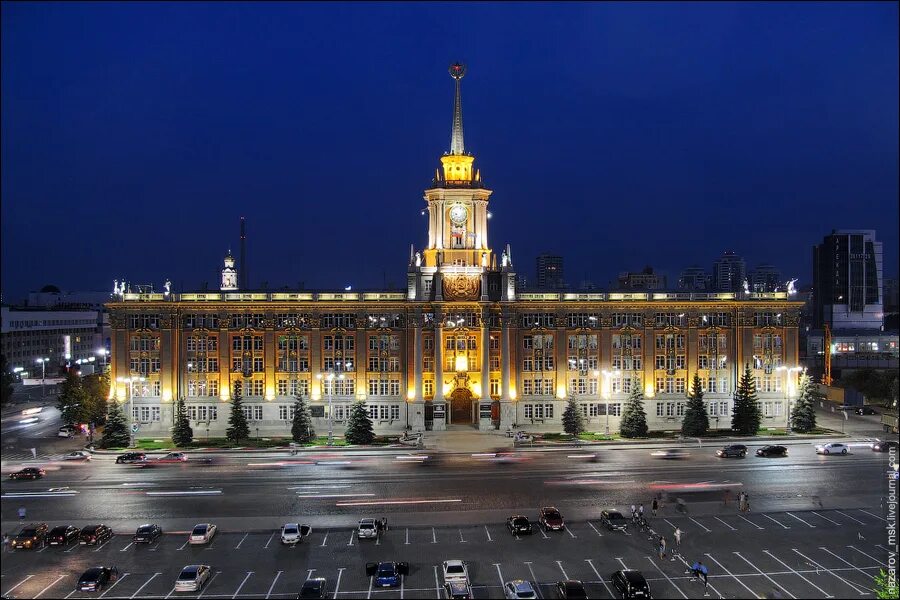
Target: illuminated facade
460,347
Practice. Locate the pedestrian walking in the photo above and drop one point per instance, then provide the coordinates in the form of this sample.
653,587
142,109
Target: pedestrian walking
21,513
746,502
726,495
34,453
704,573
6,542
654,507
384,525
677,548
661,548
741,502
641,510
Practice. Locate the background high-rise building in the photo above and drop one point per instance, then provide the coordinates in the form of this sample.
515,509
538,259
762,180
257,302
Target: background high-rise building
643,280
729,273
765,278
694,278
847,280
550,272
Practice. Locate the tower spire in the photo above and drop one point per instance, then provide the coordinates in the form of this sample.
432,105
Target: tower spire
457,147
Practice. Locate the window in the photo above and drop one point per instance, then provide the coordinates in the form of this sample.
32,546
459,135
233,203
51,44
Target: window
532,320
338,320
495,387
628,319
589,320
286,412
538,411
253,412
766,319
256,387
428,388
670,319
145,414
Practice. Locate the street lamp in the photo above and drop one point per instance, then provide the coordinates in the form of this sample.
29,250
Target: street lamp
330,378
128,403
103,353
789,388
43,363
606,393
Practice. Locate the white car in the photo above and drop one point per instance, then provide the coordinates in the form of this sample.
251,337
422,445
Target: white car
202,533
832,448
173,457
518,589
367,529
192,578
66,431
77,455
455,570
293,533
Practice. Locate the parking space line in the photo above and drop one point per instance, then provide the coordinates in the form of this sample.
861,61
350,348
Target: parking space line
499,574
115,583
272,587
849,564
98,548
433,536
772,581
670,523
309,573
800,575
751,522
537,586
721,566
543,533
209,583
599,576
269,541
186,543
488,533
127,547
700,524
44,547
563,571
38,595
75,547
777,521
9,591
402,582
406,543
621,562
669,579
325,541
849,517
569,531
70,594
337,585
371,580
352,533
826,518
241,542
152,577
462,540
437,585
829,571
867,556
725,524
238,590
872,515
799,519
597,531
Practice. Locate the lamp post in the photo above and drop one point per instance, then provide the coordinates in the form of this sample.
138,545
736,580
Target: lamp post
606,394
330,378
789,387
43,363
128,403
103,353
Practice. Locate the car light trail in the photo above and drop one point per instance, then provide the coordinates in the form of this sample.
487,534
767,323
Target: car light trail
303,495
314,486
381,502
23,495
186,493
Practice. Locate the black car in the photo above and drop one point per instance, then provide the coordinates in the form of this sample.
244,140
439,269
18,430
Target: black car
614,520
631,584
131,458
94,534
735,450
866,410
147,534
570,589
517,524
884,445
772,451
63,535
313,588
27,473
96,578
31,537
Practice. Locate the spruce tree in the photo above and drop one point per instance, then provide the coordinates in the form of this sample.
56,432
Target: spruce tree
803,417
73,399
634,419
301,429
746,418
696,421
573,421
115,433
182,434
359,425
238,429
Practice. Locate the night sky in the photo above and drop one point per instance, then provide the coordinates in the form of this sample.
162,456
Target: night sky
135,136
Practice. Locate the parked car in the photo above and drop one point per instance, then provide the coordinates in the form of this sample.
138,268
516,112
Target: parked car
671,453
130,458
147,533
96,578
614,520
884,445
192,578
94,534
456,579
316,587
63,535
202,533
732,450
387,574
518,524
519,588
293,533
767,451
367,529
173,457
77,455
31,537
28,473
550,519
66,431
571,589
832,448
457,590
866,410
631,584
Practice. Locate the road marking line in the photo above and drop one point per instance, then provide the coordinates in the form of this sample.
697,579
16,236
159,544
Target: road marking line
115,583
488,533
127,547
872,515
672,583
563,571
268,541
776,521
701,525
209,583
337,585
433,536
799,519
543,533
824,593
238,591
599,576
437,585
17,585
845,562
184,544
407,537
621,562
70,593
352,534
309,573
499,576
271,587
242,541
97,549
751,522
849,517
826,518
49,586
670,523
725,524
818,566
44,547
371,580
569,531
537,586
325,541
152,577
462,540
776,584
597,531
401,586
867,556
721,566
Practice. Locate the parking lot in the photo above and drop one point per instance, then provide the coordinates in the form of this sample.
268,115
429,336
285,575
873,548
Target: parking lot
806,554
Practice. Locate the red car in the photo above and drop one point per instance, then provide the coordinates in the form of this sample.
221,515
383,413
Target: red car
28,473
550,519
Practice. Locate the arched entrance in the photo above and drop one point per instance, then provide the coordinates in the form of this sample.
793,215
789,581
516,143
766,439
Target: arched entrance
461,406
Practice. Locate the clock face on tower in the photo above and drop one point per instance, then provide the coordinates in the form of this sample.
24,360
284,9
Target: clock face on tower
458,214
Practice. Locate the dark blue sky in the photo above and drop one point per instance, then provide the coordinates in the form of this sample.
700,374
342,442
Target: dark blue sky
134,136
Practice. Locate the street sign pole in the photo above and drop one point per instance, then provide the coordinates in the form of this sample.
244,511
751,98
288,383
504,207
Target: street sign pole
134,429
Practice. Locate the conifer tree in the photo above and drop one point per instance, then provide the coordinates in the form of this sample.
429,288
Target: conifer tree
238,429
301,429
746,419
182,434
634,419
573,421
696,421
73,399
359,425
115,433
803,417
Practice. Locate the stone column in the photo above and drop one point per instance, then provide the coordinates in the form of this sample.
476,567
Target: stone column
438,356
485,355
507,403
417,356
315,359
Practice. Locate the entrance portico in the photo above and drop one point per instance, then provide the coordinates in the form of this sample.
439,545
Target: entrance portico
462,407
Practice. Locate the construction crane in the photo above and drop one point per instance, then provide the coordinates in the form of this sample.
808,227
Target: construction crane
826,379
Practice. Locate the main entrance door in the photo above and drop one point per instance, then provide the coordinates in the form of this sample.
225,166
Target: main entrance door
461,406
